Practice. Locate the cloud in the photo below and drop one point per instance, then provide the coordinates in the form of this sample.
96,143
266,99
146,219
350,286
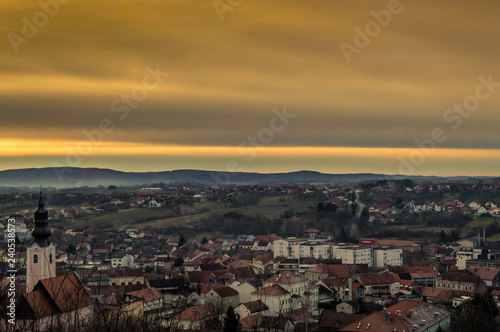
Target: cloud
226,77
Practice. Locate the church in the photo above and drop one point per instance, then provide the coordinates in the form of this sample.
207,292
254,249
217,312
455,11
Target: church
40,253
51,302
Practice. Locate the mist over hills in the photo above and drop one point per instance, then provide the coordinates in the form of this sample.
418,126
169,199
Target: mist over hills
70,177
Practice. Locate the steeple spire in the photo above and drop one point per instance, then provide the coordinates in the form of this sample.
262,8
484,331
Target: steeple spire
41,232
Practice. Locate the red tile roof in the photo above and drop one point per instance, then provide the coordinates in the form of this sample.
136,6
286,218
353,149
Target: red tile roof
199,312
39,303
225,291
67,291
378,279
286,277
272,290
255,306
147,294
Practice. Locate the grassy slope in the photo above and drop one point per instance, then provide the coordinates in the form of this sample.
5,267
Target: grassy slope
269,207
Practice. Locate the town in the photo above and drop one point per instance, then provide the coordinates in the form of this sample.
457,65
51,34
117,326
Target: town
380,256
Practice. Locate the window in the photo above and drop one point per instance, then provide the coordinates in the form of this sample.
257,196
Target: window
50,258
35,259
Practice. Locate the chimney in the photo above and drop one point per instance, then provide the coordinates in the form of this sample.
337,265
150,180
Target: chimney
350,289
385,313
484,236
388,317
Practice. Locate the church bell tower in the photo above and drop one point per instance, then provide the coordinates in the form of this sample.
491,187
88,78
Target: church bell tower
40,253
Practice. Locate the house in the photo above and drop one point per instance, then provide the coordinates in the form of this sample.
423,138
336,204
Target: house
276,298
435,206
333,289
426,275
496,296
196,318
311,233
419,207
247,288
333,322
347,307
222,297
60,302
163,263
154,204
462,280
450,207
491,278
125,277
384,283
432,248
482,210
102,249
119,308
490,204
436,295
474,205
317,272
122,260
289,281
153,299
196,278
494,211
251,308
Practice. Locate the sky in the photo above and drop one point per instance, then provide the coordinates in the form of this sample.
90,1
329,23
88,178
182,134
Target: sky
353,86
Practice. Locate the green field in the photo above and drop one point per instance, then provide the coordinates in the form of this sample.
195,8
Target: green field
493,238
271,207
480,222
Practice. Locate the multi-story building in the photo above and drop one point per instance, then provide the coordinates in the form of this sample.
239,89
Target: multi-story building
298,248
276,298
355,255
387,256
463,280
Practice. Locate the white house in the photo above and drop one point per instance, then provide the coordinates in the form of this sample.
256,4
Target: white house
491,204
474,205
154,204
482,210
122,260
276,298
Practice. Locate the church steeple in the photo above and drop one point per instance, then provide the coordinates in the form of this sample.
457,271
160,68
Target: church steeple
40,253
41,232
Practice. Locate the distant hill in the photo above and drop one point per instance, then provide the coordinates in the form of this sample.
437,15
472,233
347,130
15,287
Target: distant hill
69,177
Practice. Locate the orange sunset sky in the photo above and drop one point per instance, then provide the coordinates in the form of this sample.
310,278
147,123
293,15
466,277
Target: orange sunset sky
182,84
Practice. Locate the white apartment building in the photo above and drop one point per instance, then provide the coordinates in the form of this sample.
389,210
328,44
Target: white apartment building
355,255
387,256
298,248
